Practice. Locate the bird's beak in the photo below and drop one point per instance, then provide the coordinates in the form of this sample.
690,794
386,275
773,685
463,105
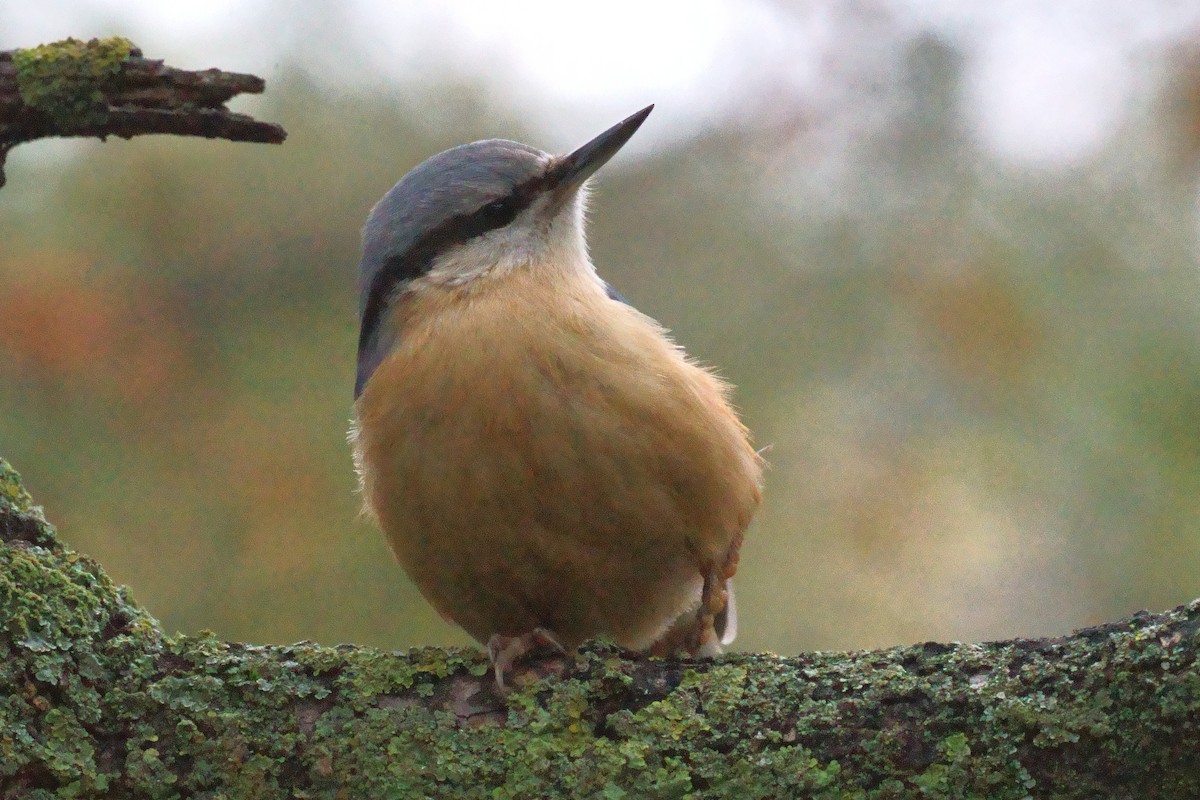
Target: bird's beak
570,171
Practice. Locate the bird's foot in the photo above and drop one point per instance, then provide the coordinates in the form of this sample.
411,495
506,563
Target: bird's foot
506,651
701,631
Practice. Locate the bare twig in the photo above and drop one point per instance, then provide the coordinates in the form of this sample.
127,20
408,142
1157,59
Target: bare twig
105,87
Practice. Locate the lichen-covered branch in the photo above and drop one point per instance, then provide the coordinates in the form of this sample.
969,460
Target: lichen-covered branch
95,701
105,87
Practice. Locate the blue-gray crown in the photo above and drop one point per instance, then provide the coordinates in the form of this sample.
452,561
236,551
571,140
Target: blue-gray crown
451,185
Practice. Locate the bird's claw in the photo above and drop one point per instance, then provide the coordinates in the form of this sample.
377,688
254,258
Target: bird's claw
505,651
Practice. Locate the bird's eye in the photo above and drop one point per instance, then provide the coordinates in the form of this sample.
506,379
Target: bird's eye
499,213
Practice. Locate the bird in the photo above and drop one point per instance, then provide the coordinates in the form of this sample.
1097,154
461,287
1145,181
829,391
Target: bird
547,465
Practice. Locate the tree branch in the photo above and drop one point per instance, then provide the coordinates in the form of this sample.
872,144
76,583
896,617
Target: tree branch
105,87
99,702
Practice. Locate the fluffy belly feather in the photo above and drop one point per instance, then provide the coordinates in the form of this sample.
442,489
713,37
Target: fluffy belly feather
556,471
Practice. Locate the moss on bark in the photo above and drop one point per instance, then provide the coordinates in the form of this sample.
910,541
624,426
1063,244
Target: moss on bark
98,702
66,80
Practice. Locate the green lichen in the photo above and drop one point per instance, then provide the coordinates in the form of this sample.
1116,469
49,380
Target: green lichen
66,80
13,496
96,702
372,673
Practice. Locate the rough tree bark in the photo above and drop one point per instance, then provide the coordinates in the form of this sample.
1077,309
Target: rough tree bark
104,87
98,702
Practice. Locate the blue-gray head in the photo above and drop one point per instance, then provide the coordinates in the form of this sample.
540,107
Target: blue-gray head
469,211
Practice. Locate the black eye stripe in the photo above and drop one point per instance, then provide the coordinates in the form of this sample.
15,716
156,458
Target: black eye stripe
491,216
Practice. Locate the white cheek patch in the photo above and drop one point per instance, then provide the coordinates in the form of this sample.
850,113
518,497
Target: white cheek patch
530,240
489,253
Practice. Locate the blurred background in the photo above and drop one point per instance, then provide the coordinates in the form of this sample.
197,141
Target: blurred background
947,252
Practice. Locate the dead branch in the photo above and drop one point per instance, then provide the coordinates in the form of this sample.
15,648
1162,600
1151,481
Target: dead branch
106,87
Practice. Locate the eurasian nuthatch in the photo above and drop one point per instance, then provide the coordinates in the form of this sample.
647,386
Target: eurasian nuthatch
548,466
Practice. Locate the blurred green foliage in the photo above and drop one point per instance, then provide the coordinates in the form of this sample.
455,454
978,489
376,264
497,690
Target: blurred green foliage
980,382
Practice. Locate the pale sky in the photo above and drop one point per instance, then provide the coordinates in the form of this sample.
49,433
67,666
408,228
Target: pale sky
1047,83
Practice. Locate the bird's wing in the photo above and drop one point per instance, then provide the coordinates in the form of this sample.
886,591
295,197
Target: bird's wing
615,295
